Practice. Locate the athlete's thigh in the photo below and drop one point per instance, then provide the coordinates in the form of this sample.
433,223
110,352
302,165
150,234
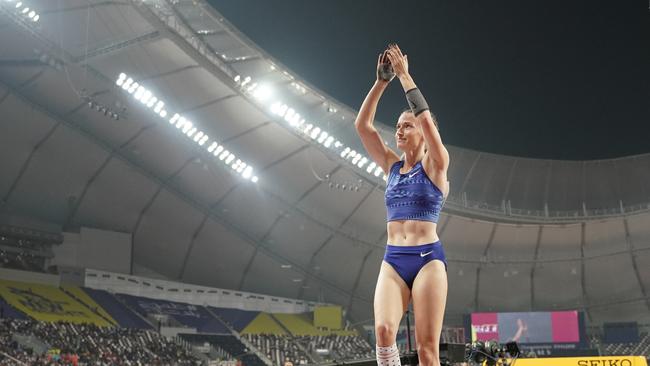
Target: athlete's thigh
391,296
429,295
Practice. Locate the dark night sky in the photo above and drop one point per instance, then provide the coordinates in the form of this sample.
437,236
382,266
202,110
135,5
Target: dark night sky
546,79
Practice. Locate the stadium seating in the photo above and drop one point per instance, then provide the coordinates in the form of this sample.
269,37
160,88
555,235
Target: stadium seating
641,348
281,337
92,344
340,347
23,262
279,348
293,337
235,349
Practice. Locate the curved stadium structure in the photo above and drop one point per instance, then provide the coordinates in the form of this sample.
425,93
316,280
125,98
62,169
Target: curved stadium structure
248,178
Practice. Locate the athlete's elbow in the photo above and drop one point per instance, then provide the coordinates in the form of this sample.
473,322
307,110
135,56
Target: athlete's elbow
362,126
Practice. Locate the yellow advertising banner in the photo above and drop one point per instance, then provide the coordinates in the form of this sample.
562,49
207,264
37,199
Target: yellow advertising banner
584,361
48,303
330,317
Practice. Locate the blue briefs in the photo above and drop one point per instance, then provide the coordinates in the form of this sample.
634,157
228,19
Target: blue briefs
409,260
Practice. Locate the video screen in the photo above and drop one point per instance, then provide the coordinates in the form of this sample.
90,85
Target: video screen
534,327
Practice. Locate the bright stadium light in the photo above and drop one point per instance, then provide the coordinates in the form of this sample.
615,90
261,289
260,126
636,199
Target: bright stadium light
139,93
187,126
146,96
184,125
315,132
263,92
290,113
151,102
283,109
127,84
36,18
294,120
300,123
254,179
275,107
322,137
247,172
121,79
363,162
212,147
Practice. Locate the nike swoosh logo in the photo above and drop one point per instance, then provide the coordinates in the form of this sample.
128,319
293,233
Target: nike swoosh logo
414,173
425,254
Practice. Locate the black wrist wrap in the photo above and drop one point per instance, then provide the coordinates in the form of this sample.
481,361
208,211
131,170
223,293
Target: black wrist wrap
416,101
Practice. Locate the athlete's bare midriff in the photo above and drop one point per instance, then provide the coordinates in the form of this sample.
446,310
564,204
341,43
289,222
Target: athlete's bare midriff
411,232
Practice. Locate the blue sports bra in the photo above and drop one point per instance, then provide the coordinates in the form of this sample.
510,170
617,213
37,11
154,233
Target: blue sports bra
412,196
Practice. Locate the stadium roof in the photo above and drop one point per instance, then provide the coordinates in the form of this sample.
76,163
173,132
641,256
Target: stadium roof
78,149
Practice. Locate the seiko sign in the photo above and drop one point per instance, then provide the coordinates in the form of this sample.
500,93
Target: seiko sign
584,361
615,362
